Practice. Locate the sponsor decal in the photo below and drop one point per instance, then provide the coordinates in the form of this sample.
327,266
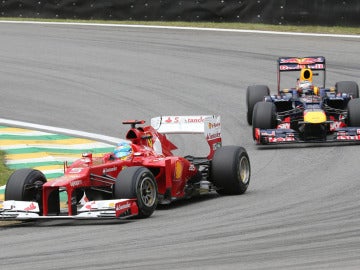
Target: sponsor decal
90,205
177,119
195,120
284,126
106,170
157,159
150,142
212,129
214,125
32,206
316,66
268,133
305,60
336,125
76,183
348,137
213,136
280,139
178,169
120,207
271,137
111,204
76,170
169,120
298,67
288,60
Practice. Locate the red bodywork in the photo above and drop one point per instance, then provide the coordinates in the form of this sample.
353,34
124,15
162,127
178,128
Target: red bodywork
171,172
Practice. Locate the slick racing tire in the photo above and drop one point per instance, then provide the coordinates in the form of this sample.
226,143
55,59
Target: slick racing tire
230,170
354,113
25,185
254,94
348,87
139,183
264,116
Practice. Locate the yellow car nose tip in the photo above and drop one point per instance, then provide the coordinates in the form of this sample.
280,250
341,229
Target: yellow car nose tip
314,117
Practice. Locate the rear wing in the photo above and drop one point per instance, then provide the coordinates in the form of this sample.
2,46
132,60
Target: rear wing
296,63
209,125
315,63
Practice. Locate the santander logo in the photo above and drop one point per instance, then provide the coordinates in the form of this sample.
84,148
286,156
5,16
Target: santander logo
122,206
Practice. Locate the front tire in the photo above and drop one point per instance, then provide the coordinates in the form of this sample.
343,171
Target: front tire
230,170
138,182
25,185
354,113
254,94
348,87
264,116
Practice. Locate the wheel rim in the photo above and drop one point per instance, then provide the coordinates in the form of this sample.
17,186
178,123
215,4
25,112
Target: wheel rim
148,192
32,191
244,170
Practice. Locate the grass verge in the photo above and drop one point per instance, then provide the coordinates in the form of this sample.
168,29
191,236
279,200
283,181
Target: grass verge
4,170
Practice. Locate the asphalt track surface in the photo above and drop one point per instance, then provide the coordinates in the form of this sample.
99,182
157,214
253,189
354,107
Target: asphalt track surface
302,208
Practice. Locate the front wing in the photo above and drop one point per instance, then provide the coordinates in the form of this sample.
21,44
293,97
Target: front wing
104,209
287,136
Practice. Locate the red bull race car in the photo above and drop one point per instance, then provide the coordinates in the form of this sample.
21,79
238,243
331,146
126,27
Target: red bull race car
141,172
307,111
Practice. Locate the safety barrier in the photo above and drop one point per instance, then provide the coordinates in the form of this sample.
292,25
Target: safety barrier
285,12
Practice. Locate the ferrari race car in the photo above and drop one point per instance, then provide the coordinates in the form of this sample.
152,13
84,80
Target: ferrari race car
306,112
130,181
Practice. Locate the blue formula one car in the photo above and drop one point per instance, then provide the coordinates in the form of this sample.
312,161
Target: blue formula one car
306,112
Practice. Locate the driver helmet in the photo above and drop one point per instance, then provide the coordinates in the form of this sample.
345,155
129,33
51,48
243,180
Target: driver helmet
123,150
305,87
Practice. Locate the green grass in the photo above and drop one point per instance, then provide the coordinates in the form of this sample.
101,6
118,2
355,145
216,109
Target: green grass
223,25
4,171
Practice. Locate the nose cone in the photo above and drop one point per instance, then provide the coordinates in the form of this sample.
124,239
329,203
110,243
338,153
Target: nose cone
314,117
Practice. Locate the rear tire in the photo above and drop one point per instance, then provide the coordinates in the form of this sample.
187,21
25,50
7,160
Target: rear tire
230,170
264,116
354,113
254,94
25,185
139,183
348,87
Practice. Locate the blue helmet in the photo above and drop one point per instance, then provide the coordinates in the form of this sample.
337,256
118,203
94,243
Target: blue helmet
122,150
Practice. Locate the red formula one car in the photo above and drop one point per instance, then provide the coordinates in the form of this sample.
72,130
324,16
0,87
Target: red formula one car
140,173
307,111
